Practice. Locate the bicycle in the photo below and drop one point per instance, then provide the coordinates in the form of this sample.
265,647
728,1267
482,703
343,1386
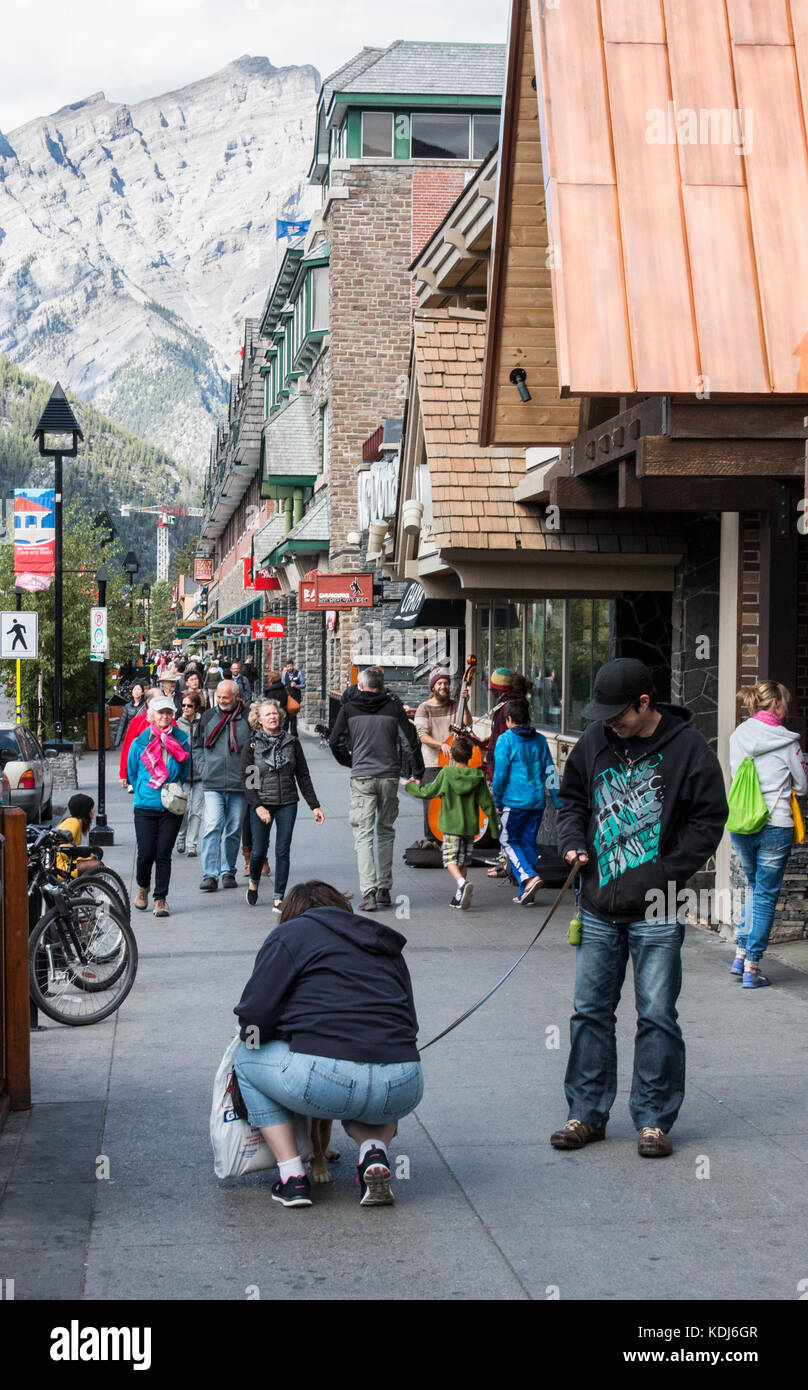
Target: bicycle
45,847
82,958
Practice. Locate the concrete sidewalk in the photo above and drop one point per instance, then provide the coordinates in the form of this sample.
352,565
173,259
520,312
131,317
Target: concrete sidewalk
489,1210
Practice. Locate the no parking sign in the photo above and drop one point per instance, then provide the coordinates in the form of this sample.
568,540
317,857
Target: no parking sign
99,647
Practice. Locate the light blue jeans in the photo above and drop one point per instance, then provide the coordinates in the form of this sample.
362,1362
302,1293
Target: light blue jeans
764,857
277,1084
221,832
658,1083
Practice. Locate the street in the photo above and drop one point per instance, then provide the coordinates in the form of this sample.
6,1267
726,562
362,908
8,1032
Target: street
108,1190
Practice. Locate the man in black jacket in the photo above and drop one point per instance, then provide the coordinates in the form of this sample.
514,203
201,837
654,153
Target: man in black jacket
643,808
367,737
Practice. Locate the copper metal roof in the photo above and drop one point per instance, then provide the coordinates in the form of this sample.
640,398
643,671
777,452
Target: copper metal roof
675,166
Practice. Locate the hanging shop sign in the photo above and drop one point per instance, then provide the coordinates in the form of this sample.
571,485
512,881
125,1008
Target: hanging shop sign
268,629
262,580
204,567
335,591
236,630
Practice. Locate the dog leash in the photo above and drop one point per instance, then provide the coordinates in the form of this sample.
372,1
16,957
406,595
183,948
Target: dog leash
570,878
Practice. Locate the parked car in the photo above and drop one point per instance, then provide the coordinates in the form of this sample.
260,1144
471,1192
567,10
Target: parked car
29,772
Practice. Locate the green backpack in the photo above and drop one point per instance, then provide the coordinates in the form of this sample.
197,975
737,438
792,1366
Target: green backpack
748,811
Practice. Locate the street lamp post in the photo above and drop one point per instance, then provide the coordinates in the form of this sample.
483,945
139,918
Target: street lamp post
146,592
102,834
131,564
56,424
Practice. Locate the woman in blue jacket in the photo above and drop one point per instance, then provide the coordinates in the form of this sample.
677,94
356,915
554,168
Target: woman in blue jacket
523,774
156,757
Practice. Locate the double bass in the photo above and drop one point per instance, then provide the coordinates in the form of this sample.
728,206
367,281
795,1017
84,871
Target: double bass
476,759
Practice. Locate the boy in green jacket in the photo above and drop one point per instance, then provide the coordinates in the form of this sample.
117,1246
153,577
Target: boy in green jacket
463,792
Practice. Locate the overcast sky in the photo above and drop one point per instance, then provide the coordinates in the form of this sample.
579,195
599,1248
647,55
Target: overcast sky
58,51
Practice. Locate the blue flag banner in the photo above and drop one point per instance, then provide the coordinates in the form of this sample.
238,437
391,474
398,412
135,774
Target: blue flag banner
290,229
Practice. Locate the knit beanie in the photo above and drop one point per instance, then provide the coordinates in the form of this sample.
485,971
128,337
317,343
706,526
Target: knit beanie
438,673
501,678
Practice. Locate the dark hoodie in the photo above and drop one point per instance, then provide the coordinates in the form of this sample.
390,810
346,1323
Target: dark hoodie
368,733
645,820
333,985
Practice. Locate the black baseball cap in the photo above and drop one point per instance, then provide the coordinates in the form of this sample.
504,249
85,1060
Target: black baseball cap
617,685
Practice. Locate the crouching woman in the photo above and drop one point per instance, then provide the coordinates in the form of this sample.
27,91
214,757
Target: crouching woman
328,1030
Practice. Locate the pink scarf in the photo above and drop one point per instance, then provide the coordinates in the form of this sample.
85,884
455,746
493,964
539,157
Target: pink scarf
766,717
152,756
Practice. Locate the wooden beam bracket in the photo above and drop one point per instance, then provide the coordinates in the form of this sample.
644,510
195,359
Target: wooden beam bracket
617,438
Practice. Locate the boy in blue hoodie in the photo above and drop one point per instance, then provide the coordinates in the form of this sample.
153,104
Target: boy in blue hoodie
523,774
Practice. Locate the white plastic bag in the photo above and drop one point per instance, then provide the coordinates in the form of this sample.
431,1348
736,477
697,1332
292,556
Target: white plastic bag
237,1147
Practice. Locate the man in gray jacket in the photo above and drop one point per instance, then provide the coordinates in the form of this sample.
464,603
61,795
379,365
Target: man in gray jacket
224,733
371,735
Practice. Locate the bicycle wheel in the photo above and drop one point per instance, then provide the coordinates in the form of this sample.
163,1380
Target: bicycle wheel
92,886
66,981
96,921
104,874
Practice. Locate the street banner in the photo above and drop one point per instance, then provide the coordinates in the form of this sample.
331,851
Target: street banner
19,636
335,591
268,629
34,538
204,566
99,644
257,578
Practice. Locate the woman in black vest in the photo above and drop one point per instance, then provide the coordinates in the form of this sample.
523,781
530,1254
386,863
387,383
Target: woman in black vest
273,766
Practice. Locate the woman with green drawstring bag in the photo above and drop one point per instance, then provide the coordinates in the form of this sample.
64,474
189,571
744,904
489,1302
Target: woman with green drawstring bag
768,770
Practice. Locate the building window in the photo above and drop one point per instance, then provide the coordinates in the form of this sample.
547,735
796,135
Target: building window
439,137
324,438
558,643
377,135
485,136
318,292
342,141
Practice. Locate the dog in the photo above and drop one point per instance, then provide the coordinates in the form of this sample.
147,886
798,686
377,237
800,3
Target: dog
321,1150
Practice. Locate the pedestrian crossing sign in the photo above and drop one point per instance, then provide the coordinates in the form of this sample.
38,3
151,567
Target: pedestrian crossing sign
19,636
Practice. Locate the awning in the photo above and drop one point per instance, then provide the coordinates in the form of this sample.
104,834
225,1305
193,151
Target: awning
416,610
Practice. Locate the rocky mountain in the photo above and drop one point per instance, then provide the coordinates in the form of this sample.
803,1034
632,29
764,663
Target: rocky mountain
135,239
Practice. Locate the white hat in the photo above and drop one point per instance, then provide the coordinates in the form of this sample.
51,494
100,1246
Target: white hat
161,702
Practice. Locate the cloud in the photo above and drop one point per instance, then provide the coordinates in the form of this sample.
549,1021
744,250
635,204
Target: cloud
54,53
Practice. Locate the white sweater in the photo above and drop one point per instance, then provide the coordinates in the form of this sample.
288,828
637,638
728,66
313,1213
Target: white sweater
778,762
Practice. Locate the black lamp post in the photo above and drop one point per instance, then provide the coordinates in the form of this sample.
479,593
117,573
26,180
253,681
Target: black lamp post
131,564
102,834
146,592
58,434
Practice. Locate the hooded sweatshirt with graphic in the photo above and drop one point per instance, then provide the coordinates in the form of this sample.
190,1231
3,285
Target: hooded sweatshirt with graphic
647,815
779,763
333,984
462,791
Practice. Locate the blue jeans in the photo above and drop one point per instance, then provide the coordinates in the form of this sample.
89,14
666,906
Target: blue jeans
277,1084
221,831
764,857
283,819
658,1083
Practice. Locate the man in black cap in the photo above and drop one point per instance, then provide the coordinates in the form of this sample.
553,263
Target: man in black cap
643,808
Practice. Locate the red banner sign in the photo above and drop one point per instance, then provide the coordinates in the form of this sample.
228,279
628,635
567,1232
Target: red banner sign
34,538
204,567
257,578
268,629
335,591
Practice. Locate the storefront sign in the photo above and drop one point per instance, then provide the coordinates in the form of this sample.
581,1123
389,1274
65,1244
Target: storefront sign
203,569
268,629
257,578
377,487
237,630
335,591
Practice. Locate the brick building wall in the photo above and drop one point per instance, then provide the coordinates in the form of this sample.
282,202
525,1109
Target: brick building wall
374,234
